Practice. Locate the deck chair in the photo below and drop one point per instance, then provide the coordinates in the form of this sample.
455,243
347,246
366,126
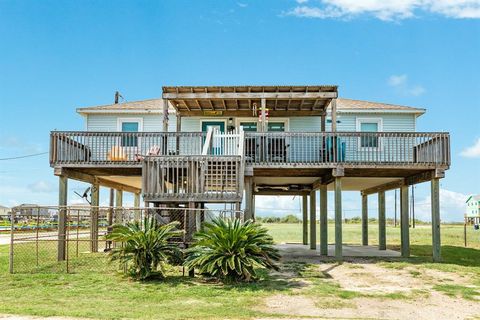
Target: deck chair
153,151
117,154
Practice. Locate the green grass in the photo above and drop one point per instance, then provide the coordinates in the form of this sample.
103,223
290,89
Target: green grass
451,235
100,292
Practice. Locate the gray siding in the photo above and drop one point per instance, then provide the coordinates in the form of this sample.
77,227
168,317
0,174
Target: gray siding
108,122
399,122
348,122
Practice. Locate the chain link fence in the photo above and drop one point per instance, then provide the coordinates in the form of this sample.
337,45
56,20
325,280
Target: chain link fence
53,239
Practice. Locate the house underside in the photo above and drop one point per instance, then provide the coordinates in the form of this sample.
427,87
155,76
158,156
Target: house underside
196,168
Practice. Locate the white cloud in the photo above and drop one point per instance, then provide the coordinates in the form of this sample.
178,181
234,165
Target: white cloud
401,85
395,80
242,5
40,186
391,10
473,151
452,206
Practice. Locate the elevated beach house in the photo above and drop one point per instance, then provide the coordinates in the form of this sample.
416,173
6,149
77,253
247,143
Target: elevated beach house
472,212
200,145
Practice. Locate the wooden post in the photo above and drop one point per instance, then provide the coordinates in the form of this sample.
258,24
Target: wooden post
264,127
62,217
238,208
435,195
165,126
118,204
253,205
313,221
364,220
179,129
338,219
190,223
334,114
305,219
382,242
136,204
323,220
198,219
165,115
111,204
94,217
404,227
248,198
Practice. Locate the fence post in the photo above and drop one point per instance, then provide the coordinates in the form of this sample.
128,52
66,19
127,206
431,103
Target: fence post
12,234
94,218
62,216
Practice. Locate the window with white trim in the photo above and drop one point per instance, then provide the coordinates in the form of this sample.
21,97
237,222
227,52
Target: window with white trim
129,125
369,125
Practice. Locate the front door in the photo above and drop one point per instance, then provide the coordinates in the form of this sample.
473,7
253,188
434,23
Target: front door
216,143
220,125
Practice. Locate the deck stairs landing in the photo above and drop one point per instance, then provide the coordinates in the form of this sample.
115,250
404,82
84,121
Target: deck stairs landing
216,175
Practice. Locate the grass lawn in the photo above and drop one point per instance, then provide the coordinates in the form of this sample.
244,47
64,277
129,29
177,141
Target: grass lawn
106,294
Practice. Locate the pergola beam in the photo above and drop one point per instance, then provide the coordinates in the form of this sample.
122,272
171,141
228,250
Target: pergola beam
249,95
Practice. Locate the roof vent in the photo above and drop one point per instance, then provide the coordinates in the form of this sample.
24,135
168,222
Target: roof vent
117,96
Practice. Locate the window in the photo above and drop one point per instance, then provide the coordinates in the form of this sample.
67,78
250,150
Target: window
369,125
249,126
276,126
129,125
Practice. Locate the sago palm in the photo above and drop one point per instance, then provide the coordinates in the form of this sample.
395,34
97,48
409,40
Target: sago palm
144,248
231,250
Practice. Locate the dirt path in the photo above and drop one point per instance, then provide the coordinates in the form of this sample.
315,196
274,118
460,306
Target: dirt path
385,293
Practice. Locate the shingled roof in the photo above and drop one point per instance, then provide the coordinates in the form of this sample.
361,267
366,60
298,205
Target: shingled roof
355,105
150,105
155,106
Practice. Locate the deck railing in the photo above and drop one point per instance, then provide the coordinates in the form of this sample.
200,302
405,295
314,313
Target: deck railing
260,149
120,148
355,148
192,178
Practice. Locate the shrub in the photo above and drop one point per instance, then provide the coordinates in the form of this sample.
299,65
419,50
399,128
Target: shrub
231,250
290,219
145,248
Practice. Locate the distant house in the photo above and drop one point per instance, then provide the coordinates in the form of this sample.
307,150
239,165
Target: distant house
4,212
472,213
32,210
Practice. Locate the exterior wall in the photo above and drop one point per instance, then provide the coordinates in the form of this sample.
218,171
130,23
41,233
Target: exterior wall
401,122
473,207
392,122
109,122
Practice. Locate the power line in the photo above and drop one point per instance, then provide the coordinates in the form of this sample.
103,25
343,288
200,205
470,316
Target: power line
25,156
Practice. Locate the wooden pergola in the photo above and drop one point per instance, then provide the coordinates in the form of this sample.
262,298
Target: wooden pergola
247,101
243,101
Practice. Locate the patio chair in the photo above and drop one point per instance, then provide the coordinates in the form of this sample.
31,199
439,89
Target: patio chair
153,151
117,153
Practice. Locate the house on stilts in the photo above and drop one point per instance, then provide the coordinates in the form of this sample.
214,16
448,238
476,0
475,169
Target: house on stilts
227,144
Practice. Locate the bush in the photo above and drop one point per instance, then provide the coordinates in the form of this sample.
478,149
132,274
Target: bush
290,219
146,248
231,250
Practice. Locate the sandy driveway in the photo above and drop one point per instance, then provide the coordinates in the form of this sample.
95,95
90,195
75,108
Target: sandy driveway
374,282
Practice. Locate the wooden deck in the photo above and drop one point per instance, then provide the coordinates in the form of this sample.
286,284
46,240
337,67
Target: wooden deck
210,167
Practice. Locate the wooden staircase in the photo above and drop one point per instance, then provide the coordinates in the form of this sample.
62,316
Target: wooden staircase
215,176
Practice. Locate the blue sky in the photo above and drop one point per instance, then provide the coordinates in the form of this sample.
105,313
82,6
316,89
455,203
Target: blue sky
56,56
